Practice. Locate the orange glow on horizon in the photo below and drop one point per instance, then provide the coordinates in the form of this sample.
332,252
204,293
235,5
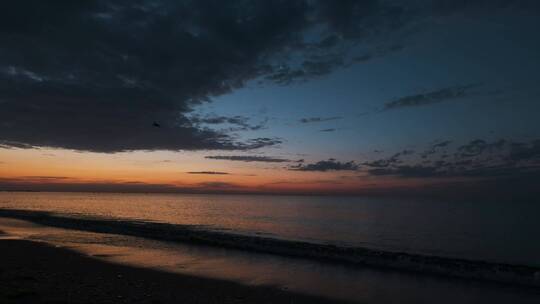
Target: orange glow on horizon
170,171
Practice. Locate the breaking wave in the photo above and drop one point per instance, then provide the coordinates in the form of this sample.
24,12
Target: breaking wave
463,268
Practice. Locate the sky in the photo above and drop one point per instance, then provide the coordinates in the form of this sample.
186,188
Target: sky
285,97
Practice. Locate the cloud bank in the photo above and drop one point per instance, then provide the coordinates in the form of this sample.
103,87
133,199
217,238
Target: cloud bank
477,159
326,165
96,75
432,97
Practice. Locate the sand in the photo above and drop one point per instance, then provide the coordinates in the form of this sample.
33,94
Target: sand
32,272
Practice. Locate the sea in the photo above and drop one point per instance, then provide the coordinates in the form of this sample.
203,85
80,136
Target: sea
330,246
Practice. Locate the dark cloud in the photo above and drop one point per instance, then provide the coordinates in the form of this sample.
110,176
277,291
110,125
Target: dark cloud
450,7
326,165
403,153
208,173
351,22
259,142
436,148
241,123
431,97
319,119
479,146
524,152
317,67
328,130
94,85
379,163
385,162
235,120
104,71
96,75
442,144
476,159
249,158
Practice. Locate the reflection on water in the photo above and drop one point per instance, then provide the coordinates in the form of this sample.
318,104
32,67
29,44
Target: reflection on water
497,231
334,281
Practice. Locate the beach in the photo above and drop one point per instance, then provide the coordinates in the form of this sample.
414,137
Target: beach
300,151
33,272
43,264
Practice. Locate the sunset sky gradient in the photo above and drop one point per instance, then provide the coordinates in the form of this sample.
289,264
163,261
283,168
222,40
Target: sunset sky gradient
305,97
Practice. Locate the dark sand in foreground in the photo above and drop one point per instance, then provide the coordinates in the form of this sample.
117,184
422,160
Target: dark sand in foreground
33,272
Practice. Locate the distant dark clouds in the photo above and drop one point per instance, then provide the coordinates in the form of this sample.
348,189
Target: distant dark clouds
475,159
326,165
479,146
249,158
431,97
259,142
319,119
525,152
386,162
435,148
442,144
208,172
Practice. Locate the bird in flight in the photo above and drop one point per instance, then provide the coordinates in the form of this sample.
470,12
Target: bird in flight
155,124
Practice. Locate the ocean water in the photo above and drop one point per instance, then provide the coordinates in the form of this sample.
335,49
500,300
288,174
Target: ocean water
495,231
487,231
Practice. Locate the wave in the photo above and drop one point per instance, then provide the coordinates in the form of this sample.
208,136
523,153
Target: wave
454,267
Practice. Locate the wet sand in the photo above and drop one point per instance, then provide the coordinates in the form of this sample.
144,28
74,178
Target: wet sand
32,272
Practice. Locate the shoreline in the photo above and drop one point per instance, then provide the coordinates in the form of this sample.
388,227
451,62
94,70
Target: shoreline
511,274
36,269
34,272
